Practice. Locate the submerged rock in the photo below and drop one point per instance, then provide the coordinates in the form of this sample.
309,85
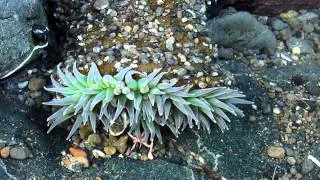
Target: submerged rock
241,30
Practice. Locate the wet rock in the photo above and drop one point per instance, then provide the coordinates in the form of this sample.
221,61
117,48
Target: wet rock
4,172
45,149
307,166
241,30
16,21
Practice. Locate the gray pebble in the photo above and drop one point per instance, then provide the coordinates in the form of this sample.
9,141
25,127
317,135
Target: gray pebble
308,28
19,153
159,11
289,152
181,71
307,166
278,25
2,145
22,85
96,49
225,53
30,102
307,16
291,160
101,4
293,170
169,43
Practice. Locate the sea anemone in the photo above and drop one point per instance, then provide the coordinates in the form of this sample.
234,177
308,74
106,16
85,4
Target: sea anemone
143,102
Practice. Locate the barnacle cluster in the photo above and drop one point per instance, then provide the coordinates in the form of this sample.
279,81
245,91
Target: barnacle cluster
144,101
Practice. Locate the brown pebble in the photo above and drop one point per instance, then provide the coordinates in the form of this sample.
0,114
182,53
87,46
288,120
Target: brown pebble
94,139
75,160
121,144
77,152
299,176
84,131
110,150
36,84
276,152
144,158
5,152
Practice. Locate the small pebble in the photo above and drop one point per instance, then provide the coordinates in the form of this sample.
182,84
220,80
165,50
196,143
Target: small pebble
182,72
144,157
291,160
121,144
5,152
77,152
110,150
94,139
276,152
101,4
36,84
19,153
22,85
276,110
98,154
296,51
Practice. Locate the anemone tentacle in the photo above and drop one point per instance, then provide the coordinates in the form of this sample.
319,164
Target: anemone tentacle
146,103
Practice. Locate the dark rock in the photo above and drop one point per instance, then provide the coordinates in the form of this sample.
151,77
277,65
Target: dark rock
270,7
307,166
241,30
237,153
4,172
225,53
46,149
40,32
132,169
16,20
